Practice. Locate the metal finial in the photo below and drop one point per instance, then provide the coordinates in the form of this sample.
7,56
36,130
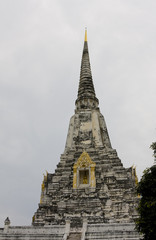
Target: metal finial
85,34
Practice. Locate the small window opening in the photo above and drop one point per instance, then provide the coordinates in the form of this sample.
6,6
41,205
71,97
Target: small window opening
84,177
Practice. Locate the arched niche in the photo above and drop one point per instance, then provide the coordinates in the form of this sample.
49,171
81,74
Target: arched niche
84,172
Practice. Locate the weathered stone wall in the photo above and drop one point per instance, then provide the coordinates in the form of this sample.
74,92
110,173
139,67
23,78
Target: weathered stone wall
87,128
58,232
32,233
112,231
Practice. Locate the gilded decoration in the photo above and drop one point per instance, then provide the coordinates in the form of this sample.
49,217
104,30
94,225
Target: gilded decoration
135,174
43,186
84,162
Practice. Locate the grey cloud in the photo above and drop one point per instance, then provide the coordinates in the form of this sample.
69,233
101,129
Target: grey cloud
41,46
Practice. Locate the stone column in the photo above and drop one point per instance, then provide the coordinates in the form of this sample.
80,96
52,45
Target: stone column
84,228
75,177
92,177
67,229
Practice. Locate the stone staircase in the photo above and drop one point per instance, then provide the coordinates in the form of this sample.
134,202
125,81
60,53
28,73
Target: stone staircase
74,236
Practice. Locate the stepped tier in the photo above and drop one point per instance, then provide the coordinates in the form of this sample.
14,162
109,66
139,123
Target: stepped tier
112,200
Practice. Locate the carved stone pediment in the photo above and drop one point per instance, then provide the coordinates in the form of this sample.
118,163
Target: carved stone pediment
84,161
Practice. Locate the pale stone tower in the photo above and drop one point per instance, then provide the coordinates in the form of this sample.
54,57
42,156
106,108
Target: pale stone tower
90,180
90,195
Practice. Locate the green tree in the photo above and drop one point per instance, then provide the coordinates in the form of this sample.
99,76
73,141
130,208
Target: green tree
153,147
146,223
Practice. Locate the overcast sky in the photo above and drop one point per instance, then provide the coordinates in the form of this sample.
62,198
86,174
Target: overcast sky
41,44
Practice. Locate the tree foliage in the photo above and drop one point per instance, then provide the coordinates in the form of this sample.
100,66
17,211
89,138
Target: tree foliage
153,146
146,223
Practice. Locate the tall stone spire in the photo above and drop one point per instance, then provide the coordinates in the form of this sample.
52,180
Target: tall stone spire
87,127
90,180
86,98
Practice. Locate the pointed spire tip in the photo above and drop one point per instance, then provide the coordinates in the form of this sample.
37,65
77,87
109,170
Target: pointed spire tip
85,34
